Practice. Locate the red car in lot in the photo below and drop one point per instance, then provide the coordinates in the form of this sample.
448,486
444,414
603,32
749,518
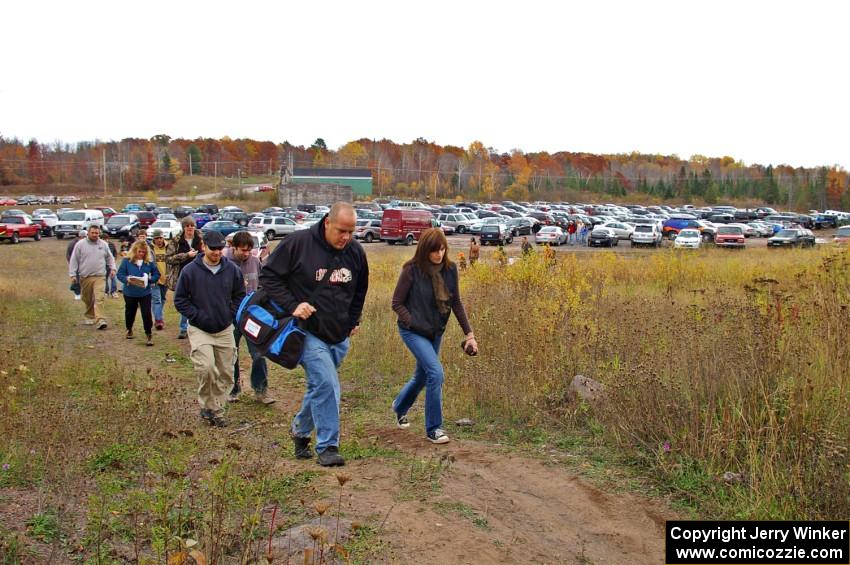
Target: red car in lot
146,219
107,211
13,228
6,201
730,236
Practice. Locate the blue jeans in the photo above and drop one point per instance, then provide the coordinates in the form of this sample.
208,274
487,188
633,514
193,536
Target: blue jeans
158,301
259,368
428,375
184,323
320,407
111,286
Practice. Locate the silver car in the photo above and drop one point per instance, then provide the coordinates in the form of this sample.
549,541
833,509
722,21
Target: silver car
460,223
275,226
368,230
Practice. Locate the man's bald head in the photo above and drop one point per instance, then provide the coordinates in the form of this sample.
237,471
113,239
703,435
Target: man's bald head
340,224
341,208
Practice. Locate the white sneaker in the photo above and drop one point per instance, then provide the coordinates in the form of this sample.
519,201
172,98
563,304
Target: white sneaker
88,322
78,297
438,436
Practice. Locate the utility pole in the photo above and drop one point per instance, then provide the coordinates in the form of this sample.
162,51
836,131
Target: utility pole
190,164
120,171
215,175
103,170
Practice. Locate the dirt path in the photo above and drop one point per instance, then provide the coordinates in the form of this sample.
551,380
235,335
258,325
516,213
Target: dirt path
491,505
525,512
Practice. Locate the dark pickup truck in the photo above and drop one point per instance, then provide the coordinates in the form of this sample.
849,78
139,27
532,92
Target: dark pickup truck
13,228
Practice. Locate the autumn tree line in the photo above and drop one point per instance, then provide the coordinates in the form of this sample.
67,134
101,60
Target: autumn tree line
425,170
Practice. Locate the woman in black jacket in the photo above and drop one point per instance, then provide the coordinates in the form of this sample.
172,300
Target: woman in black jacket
425,295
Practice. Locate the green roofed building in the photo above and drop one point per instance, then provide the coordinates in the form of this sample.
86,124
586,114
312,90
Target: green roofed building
360,180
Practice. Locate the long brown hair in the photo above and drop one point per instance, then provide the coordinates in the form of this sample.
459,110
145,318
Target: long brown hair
432,239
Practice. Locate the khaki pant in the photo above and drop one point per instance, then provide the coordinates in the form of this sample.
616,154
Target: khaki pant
92,298
213,356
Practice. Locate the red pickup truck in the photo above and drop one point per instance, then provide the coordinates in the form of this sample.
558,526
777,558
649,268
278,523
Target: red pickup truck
14,228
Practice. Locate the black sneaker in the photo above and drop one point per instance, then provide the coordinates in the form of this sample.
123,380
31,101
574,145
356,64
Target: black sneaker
438,436
212,419
330,457
217,421
183,334
402,421
302,447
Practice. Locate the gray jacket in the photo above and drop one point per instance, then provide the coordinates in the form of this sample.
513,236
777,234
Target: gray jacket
90,259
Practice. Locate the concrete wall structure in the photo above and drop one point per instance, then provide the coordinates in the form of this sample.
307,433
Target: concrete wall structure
293,193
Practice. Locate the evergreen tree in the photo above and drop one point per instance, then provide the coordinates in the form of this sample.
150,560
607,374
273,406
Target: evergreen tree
711,194
770,192
193,154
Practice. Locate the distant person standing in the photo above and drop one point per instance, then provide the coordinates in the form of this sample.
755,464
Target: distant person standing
474,251
536,227
571,232
181,251
240,253
160,291
139,274
90,262
82,234
527,249
208,294
142,235
426,294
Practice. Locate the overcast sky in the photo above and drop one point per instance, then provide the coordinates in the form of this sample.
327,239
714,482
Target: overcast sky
765,82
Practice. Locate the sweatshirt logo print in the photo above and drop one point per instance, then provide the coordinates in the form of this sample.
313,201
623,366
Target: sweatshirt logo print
340,276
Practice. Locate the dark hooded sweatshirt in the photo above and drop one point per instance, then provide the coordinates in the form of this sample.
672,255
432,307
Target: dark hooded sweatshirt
208,300
297,265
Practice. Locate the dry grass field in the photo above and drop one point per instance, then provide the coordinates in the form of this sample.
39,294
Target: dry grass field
727,382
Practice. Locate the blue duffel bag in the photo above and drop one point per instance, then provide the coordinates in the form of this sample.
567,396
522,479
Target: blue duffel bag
266,325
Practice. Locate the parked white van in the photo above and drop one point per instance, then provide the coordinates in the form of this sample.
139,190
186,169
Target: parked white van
70,223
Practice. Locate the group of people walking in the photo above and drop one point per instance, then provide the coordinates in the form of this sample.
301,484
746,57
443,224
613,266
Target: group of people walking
320,276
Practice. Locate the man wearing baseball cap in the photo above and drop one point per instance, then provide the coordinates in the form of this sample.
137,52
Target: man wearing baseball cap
208,293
